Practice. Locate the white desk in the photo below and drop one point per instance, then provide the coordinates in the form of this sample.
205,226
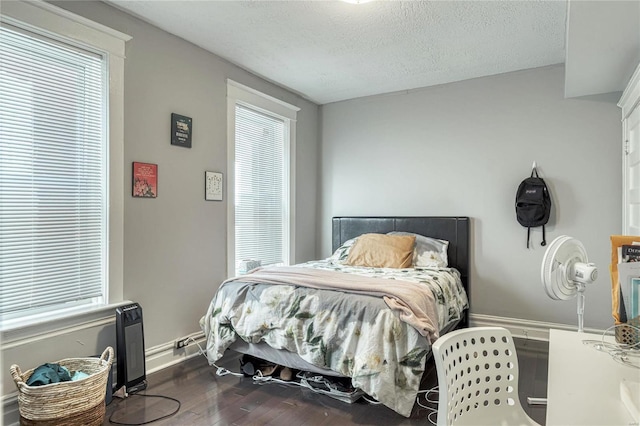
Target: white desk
583,386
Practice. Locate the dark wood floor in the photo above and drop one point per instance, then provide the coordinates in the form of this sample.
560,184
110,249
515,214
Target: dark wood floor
533,360
207,399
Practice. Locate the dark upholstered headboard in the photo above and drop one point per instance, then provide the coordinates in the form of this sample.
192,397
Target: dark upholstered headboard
453,229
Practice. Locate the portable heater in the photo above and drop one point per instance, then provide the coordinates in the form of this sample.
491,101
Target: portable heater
131,373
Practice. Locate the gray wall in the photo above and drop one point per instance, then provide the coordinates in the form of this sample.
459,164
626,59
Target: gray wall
462,149
175,245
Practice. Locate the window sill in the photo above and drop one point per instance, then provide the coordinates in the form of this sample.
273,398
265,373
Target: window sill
17,334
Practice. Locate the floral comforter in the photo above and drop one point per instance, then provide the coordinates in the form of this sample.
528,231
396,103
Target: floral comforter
355,335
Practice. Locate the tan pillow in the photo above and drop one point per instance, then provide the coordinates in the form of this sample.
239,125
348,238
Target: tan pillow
382,251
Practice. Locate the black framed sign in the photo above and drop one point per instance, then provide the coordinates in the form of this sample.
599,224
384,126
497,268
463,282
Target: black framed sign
181,129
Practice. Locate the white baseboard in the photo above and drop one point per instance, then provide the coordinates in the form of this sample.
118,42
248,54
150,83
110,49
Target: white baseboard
162,356
525,329
156,358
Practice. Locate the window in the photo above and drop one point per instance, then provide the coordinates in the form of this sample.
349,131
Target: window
261,142
60,227
52,175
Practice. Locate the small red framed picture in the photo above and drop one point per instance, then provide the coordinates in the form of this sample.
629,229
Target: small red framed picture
145,180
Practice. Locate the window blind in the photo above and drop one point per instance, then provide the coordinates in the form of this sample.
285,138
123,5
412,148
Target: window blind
52,175
260,198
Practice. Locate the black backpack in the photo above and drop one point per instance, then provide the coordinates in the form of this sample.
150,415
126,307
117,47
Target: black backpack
533,204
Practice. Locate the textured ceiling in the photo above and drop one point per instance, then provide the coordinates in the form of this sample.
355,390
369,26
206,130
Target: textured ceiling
329,51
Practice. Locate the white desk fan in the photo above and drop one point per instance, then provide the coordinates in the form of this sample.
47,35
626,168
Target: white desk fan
566,271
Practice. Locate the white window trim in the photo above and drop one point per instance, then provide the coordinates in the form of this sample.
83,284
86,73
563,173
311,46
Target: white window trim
240,94
629,101
65,26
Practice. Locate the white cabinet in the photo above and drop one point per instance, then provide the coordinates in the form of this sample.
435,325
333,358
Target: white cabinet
629,102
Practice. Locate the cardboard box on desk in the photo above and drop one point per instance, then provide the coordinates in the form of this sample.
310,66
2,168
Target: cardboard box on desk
621,281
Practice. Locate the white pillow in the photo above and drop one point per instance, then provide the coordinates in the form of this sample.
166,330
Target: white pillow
342,252
428,252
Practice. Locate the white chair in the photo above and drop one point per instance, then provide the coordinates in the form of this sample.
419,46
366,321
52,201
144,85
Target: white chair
478,378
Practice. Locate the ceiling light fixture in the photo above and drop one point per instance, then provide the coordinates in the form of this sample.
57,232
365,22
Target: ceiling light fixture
356,1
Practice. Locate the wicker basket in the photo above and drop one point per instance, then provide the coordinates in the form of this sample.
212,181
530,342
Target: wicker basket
627,335
78,402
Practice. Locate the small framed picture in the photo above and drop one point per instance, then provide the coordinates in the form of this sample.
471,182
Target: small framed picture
181,130
213,186
145,180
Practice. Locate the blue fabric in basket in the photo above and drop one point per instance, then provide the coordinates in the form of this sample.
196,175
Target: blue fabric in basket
78,375
47,374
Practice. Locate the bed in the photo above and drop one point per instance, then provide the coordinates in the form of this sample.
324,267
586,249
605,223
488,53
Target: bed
336,317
